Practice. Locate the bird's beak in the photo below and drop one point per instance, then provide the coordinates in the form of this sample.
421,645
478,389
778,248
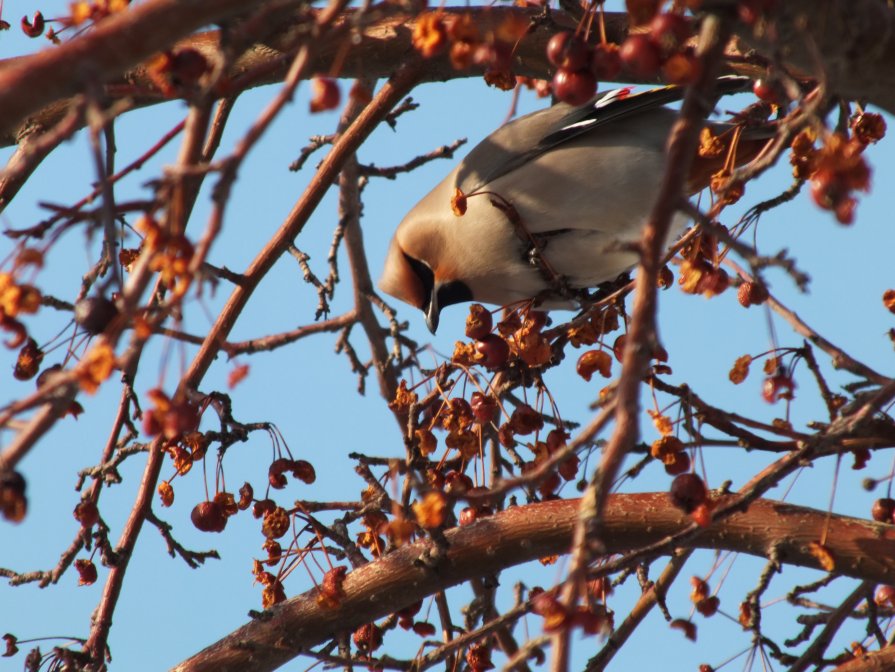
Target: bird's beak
433,311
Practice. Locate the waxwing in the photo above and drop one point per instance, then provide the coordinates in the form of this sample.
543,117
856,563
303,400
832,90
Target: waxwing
550,200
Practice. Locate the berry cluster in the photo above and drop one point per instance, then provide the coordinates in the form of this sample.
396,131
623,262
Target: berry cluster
579,66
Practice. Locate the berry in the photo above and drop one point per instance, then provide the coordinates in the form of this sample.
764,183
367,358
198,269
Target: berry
567,50
574,87
640,56
479,321
606,62
751,294
688,492
526,420
94,313
765,90
325,94
883,510
494,351
209,516
680,464
484,407
670,31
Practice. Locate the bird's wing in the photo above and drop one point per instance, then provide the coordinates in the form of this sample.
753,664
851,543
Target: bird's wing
520,141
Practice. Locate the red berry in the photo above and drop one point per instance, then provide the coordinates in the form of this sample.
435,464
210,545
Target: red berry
550,485
556,439
574,87
468,515
567,50
640,56
536,320
670,31
606,63
94,313
209,517
325,94
457,483
484,407
764,90
679,465
687,492
883,509
885,596
494,350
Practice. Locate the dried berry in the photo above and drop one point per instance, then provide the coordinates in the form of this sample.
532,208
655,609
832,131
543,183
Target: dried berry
484,407
526,420
778,386
368,637
86,572
29,360
478,322
275,523
86,513
594,361
478,657
34,27
751,294
457,483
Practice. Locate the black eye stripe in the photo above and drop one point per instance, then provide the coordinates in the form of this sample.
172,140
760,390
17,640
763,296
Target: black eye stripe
453,292
425,275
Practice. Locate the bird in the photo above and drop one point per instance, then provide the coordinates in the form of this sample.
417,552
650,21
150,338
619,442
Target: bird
544,207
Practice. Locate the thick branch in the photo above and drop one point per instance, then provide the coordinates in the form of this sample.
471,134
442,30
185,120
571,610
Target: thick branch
860,548
116,44
854,40
849,42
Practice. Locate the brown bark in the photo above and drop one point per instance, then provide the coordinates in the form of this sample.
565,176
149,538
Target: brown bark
851,43
860,549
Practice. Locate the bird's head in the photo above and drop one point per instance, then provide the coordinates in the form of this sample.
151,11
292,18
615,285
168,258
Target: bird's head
416,271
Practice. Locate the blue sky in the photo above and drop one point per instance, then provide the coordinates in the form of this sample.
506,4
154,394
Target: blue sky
168,611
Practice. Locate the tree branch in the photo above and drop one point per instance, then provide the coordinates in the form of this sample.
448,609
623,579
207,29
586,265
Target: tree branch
861,549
